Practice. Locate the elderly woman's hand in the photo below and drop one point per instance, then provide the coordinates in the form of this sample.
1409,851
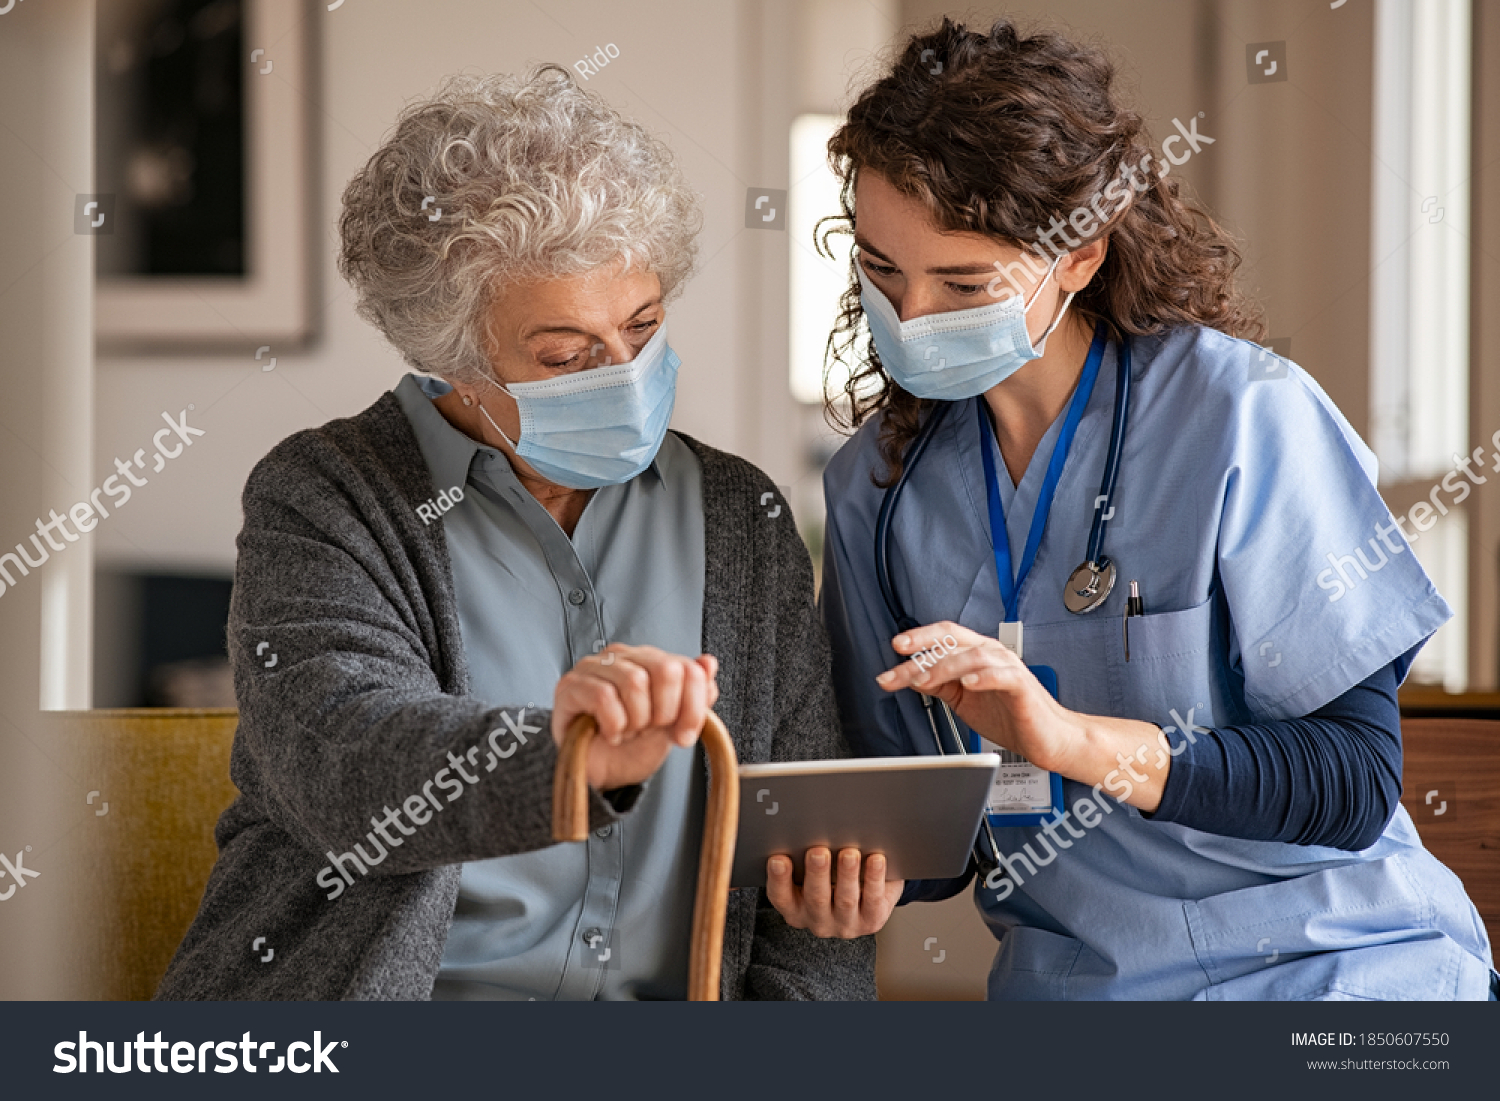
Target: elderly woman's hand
645,701
855,904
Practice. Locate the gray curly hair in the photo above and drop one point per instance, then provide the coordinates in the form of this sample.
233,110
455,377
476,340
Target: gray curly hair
536,178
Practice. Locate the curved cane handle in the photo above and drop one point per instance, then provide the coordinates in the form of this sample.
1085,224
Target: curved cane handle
570,782
570,822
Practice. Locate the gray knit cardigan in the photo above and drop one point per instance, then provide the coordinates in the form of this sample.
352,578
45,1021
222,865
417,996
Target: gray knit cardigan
368,694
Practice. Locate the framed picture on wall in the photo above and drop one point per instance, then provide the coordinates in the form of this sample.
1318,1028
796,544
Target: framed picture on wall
203,160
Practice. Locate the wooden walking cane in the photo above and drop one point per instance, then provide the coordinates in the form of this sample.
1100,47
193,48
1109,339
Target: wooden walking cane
570,822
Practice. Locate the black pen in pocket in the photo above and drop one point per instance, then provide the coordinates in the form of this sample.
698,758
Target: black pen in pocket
1133,607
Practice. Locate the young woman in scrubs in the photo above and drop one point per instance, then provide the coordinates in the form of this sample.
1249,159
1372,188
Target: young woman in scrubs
1231,826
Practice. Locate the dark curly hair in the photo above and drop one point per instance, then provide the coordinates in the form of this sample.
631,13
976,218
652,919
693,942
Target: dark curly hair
999,137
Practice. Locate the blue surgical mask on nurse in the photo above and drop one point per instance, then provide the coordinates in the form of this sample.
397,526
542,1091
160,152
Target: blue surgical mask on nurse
960,354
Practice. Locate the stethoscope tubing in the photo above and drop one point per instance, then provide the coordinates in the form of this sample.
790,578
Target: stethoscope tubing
1104,505
918,446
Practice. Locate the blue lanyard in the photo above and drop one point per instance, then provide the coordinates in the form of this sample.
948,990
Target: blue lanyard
1010,583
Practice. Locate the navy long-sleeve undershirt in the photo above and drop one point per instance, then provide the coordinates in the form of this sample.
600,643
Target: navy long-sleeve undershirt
1331,778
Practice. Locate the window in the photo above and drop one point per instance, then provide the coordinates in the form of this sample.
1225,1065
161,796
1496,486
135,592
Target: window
1419,316
816,282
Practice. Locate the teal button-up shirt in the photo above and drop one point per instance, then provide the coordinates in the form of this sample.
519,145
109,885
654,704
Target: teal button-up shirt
610,917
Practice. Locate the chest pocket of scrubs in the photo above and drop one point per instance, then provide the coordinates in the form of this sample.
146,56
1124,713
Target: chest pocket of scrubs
1172,667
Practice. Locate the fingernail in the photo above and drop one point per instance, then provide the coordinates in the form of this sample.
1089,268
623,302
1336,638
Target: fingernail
886,677
902,640
849,860
877,864
817,860
919,677
971,679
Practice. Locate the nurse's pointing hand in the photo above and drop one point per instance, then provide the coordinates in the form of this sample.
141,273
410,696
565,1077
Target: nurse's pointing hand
853,905
989,688
992,690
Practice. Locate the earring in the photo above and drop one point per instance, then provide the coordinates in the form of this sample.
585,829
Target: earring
468,400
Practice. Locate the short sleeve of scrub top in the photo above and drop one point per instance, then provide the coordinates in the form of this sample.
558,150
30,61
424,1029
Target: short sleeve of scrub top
1274,580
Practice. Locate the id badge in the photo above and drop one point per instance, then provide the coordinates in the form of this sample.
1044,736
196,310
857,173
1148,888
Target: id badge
1022,794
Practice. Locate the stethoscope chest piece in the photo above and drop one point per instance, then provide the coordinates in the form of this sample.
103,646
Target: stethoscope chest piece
1089,586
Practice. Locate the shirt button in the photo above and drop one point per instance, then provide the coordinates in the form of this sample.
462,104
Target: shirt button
592,937
576,597
604,831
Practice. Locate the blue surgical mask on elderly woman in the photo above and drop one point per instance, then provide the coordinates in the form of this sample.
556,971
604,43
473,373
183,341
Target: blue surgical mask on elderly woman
600,426
955,355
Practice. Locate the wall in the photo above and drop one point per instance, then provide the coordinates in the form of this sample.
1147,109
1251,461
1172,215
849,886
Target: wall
46,274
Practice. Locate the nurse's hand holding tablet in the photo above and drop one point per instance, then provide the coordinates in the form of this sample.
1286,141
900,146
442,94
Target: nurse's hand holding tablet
990,688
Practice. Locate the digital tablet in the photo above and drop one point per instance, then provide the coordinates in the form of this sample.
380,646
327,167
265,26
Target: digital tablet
921,812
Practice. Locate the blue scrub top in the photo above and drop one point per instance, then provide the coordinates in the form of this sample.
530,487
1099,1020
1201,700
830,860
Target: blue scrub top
1242,501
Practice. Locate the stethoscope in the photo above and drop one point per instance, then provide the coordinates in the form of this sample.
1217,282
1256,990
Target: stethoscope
1087,587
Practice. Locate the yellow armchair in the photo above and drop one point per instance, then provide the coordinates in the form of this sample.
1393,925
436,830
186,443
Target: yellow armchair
163,780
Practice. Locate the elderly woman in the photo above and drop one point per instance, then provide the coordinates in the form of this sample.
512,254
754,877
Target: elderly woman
521,527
